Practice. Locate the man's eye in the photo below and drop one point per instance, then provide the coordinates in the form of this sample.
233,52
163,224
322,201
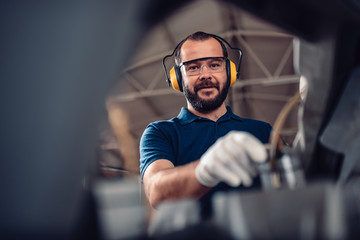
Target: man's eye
193,68
215,65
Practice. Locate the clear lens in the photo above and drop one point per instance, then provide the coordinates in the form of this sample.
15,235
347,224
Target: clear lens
195,67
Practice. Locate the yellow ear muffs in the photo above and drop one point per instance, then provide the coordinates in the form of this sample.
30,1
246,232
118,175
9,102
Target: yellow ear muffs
175,78
233,73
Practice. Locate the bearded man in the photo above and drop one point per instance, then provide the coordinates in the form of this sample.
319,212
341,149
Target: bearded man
206,148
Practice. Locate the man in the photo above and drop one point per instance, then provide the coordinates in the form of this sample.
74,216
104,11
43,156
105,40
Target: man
205,148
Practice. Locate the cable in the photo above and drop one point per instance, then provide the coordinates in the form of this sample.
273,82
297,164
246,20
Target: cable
278,125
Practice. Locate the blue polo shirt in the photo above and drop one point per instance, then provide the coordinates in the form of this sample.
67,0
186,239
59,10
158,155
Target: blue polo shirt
186,138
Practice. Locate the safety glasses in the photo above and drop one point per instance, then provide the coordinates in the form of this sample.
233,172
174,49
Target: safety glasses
195,67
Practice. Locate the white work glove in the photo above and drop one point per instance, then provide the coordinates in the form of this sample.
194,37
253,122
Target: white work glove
231,159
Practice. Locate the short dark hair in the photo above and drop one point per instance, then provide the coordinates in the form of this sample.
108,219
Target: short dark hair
198,36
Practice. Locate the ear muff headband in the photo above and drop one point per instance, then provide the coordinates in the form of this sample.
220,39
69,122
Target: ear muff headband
175,78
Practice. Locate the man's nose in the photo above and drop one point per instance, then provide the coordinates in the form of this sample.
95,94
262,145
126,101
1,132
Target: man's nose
204,71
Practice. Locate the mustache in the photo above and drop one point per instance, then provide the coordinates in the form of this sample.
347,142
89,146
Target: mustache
206,84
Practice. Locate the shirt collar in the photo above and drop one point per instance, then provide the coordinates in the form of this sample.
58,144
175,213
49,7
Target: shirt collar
186,117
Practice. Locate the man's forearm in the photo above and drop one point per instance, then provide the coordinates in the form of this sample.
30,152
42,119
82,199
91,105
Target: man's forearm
175,183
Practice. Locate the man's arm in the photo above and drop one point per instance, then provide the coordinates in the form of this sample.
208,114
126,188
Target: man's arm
162,181
231,160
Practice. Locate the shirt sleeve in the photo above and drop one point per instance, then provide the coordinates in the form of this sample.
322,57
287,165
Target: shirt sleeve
154,144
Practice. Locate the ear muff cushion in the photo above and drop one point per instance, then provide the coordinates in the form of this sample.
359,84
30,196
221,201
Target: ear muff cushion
175,78
233,72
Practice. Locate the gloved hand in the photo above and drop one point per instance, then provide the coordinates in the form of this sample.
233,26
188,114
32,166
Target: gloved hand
231,159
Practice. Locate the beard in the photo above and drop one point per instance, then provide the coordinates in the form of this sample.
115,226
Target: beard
205,106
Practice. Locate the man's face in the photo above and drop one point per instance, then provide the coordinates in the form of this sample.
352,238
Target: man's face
206,89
